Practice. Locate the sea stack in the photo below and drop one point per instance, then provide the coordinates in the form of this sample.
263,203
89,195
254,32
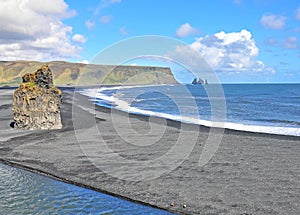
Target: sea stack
36,103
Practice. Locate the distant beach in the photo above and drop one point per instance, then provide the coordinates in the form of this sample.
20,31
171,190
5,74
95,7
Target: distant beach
250,173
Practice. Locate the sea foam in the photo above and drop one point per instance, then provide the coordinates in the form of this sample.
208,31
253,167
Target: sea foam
101,99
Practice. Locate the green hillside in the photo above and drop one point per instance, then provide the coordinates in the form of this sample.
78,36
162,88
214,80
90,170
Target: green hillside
77,74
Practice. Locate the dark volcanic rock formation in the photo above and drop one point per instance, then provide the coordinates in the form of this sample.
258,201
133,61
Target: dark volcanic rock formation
36,103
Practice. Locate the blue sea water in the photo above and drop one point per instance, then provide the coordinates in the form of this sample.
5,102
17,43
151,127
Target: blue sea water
23,192
266,108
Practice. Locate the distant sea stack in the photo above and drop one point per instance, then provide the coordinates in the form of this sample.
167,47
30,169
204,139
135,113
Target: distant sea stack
199,81
36,103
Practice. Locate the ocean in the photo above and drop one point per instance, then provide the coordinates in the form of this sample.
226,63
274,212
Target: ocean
263,108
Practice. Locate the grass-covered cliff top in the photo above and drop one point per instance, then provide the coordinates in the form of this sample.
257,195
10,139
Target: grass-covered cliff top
77,74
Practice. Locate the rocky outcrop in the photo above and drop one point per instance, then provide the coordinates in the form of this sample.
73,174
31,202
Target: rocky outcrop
36,103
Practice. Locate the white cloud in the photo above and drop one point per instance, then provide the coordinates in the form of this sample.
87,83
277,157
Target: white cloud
105,19
79,38
90,24
275,22
115,1
235,51
84,61
56,7
186,30
123,31
298,14
191,59
290,43
270,41
296,30
33,30
103,4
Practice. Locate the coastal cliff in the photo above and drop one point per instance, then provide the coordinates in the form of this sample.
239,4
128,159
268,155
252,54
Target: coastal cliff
78,74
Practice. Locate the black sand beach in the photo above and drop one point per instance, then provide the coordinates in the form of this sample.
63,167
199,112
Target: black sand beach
250,173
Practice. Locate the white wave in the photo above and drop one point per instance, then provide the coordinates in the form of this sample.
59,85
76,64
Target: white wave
264,129
139,100
125,106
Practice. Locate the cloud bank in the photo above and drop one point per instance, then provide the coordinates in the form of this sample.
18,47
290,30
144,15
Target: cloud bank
234,52
34,30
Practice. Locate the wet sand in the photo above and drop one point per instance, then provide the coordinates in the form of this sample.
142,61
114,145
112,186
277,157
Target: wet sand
120,154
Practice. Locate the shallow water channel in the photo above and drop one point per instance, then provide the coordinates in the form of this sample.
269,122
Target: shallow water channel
24,192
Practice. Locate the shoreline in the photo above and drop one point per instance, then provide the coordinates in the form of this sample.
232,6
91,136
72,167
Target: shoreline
227,126
226,129
241,159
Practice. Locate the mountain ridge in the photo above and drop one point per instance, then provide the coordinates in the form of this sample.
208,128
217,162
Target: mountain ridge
79,74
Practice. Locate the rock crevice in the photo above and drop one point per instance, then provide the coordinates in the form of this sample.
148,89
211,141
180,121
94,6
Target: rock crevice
36,103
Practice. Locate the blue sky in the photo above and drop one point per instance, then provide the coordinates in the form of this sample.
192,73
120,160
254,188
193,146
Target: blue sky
242,40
